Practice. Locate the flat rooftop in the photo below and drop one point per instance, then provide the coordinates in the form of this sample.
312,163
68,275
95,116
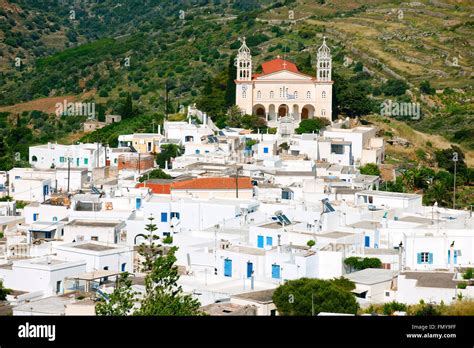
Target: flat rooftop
54,305
51,262
417,219
370,276
390,194
273,225
94,223
367,224
432,279
262,296
335,235
246,250
93,247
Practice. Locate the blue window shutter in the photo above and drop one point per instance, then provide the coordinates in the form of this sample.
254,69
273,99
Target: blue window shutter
164,217
228,268
265,150
269,241
449,256
418,257
260,241
276,272
249,269
430,258
367,241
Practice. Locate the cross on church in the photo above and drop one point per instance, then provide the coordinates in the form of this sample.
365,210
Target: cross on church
242,39
284,64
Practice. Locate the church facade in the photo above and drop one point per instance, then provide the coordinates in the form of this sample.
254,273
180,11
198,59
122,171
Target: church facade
281,90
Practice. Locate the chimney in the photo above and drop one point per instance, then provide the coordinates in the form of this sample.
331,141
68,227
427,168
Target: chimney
451,257
400,257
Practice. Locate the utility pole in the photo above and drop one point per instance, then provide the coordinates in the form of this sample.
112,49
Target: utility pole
236,181
166,99
455,160
139,154
68,172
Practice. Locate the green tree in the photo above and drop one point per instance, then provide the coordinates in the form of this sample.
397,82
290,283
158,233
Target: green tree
121,301
394,87
168,151
155,174
358,263
126,110
163,296
425,87
390,307
4,291
311,125
444,158
306,296
370,169
230,89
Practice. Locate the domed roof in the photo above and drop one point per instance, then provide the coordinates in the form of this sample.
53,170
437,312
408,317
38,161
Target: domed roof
244,50
324,50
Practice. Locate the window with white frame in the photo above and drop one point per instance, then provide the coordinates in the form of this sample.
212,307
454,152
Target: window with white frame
259,95
308,95
272,94
323,95
296,94
323,112
244,94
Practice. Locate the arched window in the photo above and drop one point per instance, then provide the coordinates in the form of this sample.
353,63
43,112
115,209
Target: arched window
308,95
323,95
34,159
259,95
272,94
296,94
244,94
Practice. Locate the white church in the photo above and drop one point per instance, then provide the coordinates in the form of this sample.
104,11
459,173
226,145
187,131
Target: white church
281,91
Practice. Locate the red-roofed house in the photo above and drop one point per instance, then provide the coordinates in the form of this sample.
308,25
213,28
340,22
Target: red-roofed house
281,90
203,187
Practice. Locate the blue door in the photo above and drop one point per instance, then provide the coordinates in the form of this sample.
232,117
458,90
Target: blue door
249,269
228,268
138,203
455,257
260,241
276,271
45,190
367,241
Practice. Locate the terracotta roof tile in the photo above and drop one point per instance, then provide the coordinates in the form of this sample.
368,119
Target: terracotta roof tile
158,188
212,184
275,65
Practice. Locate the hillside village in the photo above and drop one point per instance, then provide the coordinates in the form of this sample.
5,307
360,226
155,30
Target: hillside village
248,211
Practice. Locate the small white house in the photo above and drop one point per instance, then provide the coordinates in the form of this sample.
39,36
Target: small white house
44,274
51,155
98,256
371,283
